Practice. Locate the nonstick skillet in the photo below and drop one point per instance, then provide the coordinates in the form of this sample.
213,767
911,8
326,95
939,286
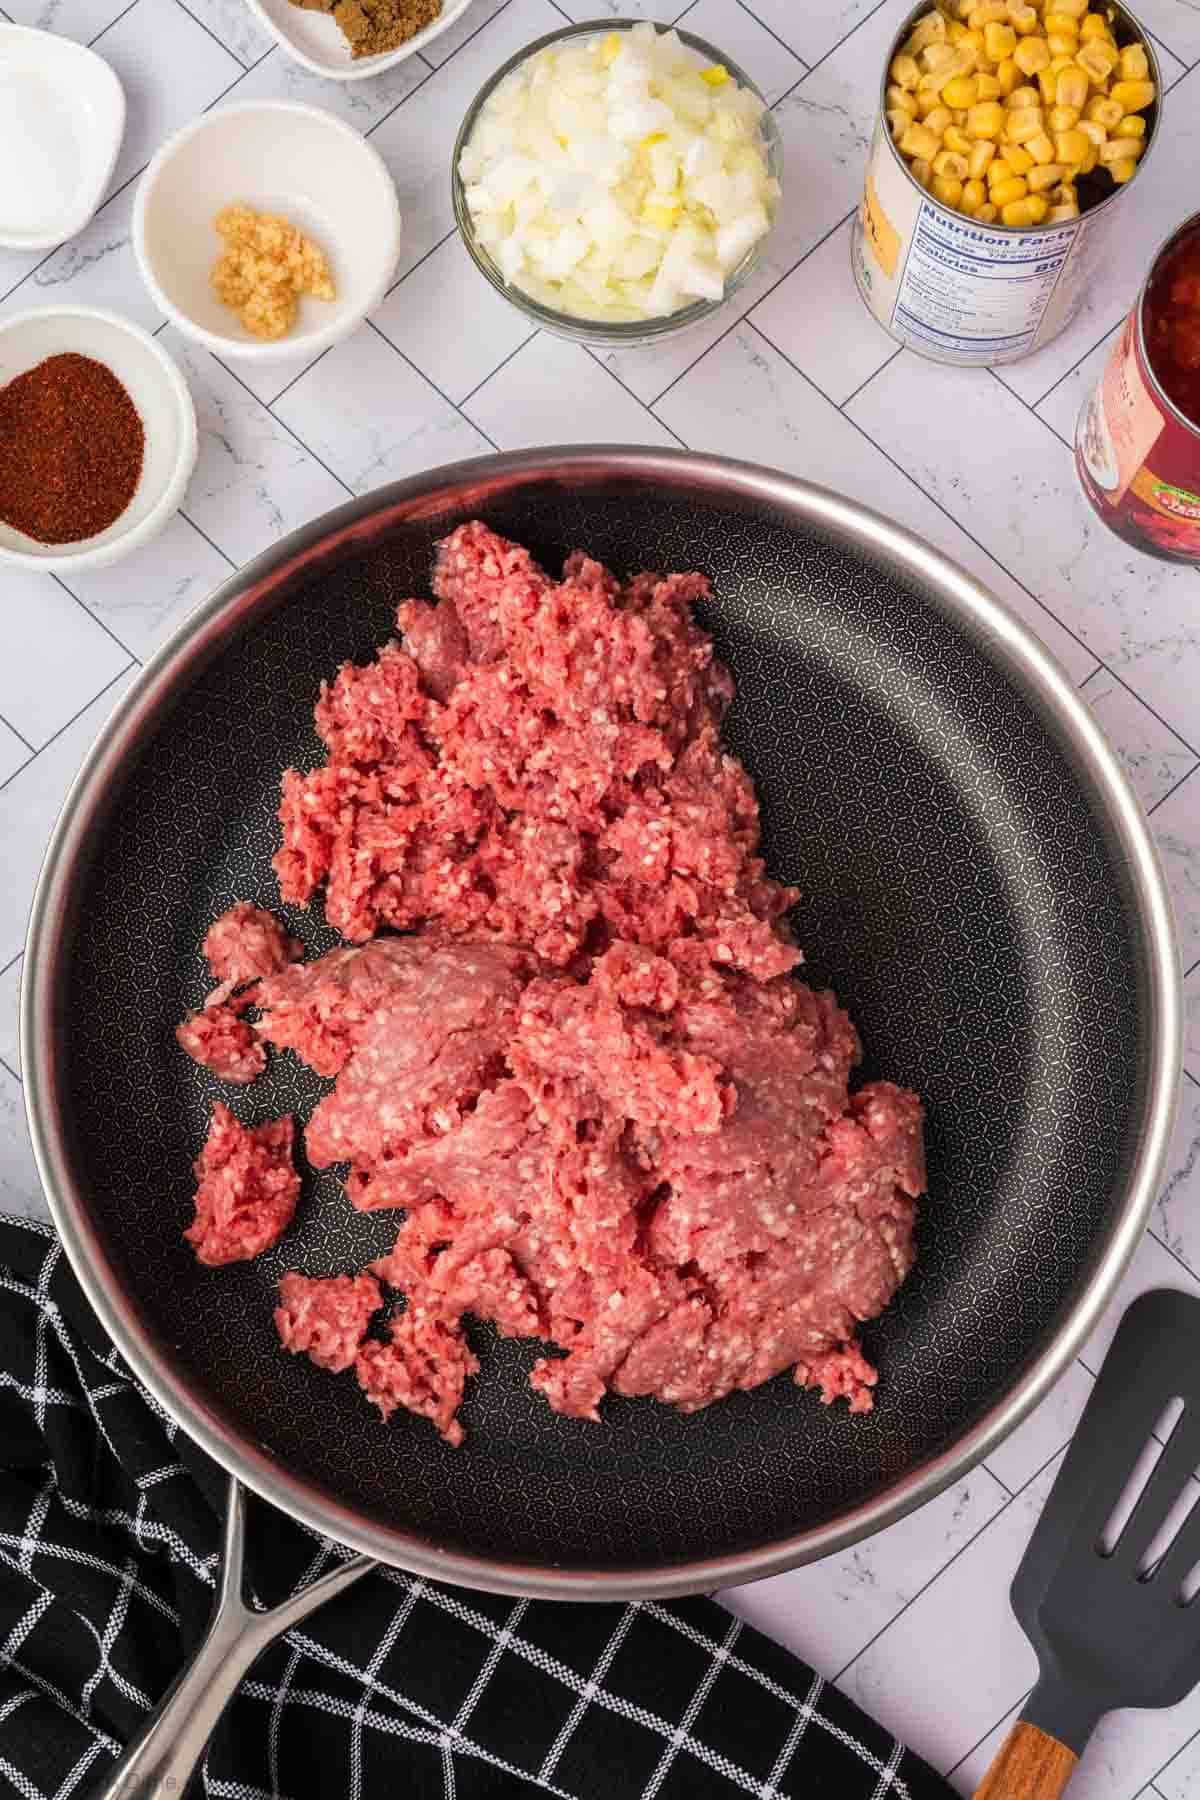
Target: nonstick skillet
977,883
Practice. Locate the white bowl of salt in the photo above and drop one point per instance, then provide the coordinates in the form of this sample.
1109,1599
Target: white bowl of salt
62,117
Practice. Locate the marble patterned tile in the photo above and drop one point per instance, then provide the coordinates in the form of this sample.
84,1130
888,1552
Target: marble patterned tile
235,26
1191,1024
54,658
663,12
452,41
20,1189
29,806
10,1000
1175,23
526,402
1177,1210
967,1774
1153,1266
1152,756
829,1611
417,139
360,103
97,268
819,322
372,418
1127,248
1177,833
254,482
449,321
738,34
1044,1433
1180,1780
171,69
1061,406
81,20
1017,485
905,1674
815,28
13,752
145,597
745,400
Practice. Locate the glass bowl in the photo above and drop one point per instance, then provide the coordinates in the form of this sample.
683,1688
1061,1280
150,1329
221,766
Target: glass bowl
611,334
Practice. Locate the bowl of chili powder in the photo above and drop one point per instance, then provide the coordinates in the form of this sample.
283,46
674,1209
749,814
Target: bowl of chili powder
99,436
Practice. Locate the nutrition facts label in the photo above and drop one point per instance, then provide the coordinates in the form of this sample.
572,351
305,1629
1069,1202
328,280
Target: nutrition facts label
976,293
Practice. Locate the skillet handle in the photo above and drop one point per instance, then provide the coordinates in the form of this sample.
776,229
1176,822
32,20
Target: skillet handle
1031,1766
161,1761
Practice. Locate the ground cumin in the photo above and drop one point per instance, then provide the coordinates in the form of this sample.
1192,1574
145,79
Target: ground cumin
71,448
373,26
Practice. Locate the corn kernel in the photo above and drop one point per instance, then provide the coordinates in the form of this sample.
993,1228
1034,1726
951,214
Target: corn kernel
1090,159
1017,212
1058,215
985,120
999,170
1023,18
956,31
610,49
973,41
1039,206
1023,96
1124,170
1132,96
1018,159
922,170
716,75
948,191
1023,125
898,121
986,213
1059,63
1060,22
1120,149
1004,192
918,140
974,194
955,138
900,100
905,71
1031,54
980,158
1072,146
1072,89
1092,129
999,41
1097,59
1105,111
1008,77
1044,175
1047,80
1133,63
937,120
1094,25
951,164
928,102
1063,118
663,216
985,13
1062,43
989,86
1131,126
1074,9
1041,148
962,91
938,56
959,115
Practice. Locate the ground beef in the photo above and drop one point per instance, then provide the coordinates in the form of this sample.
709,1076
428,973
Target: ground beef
221,1040
540,764
246,1188
609,1115
247,942
327,1318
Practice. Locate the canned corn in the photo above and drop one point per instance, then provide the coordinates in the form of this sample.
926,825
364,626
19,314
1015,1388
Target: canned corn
1137,452
961,291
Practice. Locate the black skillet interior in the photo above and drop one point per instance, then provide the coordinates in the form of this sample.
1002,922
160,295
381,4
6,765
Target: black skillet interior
959,892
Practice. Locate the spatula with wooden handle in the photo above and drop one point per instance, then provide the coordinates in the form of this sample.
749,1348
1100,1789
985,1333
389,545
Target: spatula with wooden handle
1106,1595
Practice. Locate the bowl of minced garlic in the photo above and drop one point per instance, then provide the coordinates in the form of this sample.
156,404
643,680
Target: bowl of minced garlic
267,229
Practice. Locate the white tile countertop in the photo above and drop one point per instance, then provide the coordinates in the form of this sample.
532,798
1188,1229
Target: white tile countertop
915,1623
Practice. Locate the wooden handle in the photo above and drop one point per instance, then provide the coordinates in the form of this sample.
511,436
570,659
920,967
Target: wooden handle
1031,1766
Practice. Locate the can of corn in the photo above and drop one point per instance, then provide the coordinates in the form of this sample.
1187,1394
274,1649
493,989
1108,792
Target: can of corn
963,290
1137,442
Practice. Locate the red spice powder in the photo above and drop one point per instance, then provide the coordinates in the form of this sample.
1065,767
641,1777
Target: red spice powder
71,449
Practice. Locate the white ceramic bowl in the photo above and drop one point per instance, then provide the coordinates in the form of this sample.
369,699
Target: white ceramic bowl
69,109
281,157
168,417
317,41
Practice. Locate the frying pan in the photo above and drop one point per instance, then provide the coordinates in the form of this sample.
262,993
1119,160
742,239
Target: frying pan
978,884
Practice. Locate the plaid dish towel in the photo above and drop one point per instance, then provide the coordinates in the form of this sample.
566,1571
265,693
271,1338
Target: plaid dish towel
109,1522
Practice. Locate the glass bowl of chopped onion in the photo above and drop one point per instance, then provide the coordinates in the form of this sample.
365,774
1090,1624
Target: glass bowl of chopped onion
616,182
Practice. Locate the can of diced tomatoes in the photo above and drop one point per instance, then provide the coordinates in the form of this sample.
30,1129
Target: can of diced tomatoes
974,294
1137,444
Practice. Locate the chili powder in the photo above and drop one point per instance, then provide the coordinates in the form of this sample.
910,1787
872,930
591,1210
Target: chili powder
71,449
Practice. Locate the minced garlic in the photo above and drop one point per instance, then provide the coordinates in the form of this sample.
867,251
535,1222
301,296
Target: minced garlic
266,265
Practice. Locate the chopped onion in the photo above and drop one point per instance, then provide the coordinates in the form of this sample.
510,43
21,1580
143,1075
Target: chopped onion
619,178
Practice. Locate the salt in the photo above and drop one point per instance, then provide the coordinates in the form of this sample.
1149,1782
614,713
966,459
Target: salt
40,162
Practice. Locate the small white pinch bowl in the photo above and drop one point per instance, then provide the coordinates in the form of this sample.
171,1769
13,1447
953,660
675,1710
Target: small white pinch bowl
164,404
281,157
316,41
80,108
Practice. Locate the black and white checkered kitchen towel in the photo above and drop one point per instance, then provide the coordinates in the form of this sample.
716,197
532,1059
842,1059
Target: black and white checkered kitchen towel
108,1535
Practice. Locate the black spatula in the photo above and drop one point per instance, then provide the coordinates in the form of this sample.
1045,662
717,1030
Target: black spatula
1101,1600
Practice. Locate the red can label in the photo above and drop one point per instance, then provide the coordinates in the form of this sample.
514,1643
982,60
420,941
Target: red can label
1139,463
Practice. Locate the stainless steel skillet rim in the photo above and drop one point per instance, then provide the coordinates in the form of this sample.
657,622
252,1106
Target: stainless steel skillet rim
473,483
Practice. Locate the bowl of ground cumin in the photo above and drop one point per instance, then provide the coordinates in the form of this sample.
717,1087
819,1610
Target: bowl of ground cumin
99,437
347,39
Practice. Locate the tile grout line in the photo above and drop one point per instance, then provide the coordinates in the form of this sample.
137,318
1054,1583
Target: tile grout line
184,7
1151,1786
124,13
842,404
1187,1073
1151,810
420,373
54,739
1163,1245
421,259
12,959
782,42
294,435
7,1066
987,1734
503,363
846,36
18,734
288,385
1055,385
661,423
210,541
436,67
95,618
